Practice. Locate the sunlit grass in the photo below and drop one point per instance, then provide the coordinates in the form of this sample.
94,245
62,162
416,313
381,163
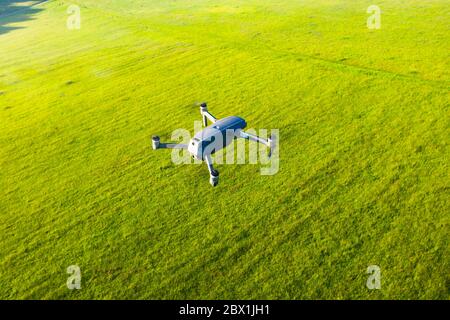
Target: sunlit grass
363,118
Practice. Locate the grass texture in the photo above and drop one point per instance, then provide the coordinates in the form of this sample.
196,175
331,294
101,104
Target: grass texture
364,150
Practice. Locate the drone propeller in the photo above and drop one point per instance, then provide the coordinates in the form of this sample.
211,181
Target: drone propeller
196,104
200,104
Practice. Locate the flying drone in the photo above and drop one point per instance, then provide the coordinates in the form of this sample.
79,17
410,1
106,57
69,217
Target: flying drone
213,138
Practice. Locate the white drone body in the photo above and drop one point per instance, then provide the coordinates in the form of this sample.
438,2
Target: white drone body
214,138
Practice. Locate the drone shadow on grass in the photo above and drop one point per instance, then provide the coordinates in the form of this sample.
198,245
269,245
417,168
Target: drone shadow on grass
15,11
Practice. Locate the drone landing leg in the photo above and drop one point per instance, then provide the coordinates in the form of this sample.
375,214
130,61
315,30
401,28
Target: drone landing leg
213,174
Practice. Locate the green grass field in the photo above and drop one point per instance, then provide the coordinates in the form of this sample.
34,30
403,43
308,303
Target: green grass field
364,150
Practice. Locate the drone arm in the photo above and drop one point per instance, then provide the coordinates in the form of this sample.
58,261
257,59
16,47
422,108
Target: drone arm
209,116
253,137
213,174
172,146
156,144
208,161
270,143
206,115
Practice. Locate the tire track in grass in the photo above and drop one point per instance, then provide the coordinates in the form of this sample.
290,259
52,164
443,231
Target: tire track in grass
441,84
225,43
436,83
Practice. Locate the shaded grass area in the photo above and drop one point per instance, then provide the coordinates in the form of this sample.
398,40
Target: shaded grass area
12,12
363,149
